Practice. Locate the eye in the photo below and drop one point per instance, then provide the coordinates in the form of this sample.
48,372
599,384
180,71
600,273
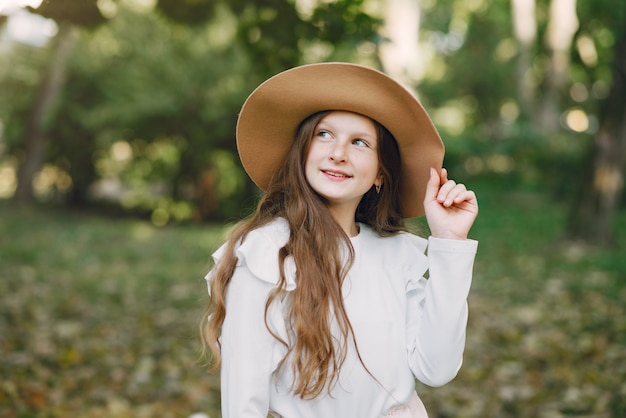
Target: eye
323,134
360,143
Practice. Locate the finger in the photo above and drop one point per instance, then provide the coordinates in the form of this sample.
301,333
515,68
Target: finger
432,187
445,190
455,195
452,196
466,196
467,201
443,175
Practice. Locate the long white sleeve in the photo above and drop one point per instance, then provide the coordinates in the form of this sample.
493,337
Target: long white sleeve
247,348
438,330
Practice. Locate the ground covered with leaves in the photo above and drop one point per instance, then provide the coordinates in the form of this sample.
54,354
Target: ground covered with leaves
98,318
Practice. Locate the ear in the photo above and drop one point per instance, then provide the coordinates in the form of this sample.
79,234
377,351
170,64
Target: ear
379,179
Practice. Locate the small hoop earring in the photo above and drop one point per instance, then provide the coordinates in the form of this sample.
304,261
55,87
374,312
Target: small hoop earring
377,188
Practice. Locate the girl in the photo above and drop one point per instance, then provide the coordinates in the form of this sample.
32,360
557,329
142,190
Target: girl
318,302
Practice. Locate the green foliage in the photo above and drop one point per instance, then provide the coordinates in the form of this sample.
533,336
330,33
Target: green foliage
468,49
269,30
522,156
77,12
171,94
346,21
189,12
602,22
472,80
141,80
18,83
177,75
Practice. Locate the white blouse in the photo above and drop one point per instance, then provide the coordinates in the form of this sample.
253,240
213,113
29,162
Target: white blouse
406,326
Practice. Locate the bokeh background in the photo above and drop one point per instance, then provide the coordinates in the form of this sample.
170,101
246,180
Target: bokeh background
119,176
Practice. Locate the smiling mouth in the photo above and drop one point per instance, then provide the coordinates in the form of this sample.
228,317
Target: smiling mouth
336,174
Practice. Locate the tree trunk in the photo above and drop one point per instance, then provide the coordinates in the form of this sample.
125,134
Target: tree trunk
525,31
41,112
562,27
592,216
400,55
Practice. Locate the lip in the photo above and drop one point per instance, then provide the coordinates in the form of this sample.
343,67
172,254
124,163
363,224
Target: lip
336,174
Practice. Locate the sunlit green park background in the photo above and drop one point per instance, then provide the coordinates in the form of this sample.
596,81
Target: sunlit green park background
119,177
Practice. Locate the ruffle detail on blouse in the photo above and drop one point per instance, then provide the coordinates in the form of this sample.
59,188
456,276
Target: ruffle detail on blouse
415,288
259,252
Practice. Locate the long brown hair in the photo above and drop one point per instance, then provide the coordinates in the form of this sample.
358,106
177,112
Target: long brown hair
318,246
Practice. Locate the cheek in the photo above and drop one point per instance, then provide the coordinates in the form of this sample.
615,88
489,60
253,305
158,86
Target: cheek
314,156
370,167
309,165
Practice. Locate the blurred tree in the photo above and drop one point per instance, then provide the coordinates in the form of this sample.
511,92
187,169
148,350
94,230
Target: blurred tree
151,104
187,12
471,70
400,53
490,92
593,212
183,84
68,14
562,26
273,35
167,95
525,31
341,31
269,31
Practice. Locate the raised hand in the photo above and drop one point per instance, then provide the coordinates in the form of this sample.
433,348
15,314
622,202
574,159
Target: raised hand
450,208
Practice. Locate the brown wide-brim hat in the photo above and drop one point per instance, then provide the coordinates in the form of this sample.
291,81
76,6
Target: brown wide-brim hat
270,116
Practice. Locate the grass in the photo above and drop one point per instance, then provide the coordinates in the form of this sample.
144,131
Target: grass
98,317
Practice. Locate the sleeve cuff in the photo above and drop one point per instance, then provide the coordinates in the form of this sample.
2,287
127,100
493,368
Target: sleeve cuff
452,245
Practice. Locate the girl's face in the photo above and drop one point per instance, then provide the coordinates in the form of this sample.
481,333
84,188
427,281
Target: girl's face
342,162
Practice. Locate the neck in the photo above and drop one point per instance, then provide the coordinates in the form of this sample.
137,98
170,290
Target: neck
345,219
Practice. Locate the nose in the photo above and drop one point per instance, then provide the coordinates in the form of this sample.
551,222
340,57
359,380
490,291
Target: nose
338,151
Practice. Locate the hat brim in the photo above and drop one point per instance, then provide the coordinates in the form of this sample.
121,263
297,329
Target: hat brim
270,116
